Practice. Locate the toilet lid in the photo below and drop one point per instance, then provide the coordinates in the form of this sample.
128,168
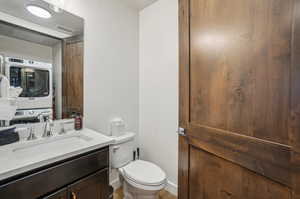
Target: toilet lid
145,173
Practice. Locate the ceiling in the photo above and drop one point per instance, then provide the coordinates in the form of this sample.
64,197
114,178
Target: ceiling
27,35
141,4
16,8
64,22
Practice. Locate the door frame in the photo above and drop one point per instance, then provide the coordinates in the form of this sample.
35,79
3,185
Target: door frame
184,87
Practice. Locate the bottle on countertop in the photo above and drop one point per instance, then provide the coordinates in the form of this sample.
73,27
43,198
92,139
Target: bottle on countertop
78,122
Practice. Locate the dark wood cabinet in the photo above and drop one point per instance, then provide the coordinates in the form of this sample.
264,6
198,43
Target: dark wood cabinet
81,177
92,187
61,194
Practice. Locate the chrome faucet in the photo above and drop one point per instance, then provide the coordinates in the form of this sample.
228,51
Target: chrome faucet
48,128
41,117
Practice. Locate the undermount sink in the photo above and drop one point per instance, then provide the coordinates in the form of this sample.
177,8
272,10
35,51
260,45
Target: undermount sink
26,155
52,143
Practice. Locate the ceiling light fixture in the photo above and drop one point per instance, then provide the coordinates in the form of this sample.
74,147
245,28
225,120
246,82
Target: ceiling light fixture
57,5
55,8
39,11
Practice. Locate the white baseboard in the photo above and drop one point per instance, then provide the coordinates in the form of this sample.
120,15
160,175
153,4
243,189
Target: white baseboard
172,188
116,184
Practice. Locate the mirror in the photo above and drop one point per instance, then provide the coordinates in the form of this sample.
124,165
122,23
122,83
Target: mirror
41,54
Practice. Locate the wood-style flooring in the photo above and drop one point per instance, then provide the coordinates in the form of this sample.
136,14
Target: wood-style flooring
162,195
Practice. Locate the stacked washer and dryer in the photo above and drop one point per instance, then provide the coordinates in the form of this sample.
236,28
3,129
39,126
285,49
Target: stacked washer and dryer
35,79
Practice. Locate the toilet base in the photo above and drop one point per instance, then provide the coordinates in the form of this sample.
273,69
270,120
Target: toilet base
131,192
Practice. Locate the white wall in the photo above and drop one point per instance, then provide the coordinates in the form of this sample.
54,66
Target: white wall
26,50
57,78
112,74
110,62
158,91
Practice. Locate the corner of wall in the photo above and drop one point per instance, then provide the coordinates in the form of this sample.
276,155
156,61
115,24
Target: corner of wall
172,188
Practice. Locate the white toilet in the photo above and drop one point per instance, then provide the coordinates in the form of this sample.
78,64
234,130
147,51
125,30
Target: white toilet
141,179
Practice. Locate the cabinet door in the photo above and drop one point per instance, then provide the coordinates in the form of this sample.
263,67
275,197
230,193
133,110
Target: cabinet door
95,186
72,81
61,194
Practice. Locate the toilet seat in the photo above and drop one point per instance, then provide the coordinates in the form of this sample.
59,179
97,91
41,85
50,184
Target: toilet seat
144,187
144,175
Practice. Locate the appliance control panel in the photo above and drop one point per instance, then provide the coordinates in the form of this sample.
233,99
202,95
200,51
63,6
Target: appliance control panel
33,113
28,63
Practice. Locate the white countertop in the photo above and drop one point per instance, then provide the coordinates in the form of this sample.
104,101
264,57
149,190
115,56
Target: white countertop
24,156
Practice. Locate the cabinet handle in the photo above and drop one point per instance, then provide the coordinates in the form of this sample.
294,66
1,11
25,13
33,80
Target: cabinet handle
73,195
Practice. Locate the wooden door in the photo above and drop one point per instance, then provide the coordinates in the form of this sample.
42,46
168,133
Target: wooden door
92,187
239,99
72,78
61,194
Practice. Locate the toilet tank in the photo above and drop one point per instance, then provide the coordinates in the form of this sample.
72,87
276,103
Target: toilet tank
122,150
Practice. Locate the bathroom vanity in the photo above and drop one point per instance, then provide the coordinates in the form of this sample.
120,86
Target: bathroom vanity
71,166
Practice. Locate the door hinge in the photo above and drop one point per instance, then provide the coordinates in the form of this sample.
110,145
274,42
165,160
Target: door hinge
181,131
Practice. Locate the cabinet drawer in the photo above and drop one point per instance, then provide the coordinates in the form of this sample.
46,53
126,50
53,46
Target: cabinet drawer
58,176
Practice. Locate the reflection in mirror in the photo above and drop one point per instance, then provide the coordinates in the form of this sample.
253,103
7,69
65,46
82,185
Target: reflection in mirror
41,63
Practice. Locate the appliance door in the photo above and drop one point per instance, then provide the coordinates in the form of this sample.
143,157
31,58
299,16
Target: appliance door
34,82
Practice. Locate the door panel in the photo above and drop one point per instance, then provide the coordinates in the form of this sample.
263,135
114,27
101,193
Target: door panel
265,158
240,66
239,99
208,172
92,187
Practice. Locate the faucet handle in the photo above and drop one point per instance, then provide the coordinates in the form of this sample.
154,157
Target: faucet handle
48,128
51,125
31,134
62,129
